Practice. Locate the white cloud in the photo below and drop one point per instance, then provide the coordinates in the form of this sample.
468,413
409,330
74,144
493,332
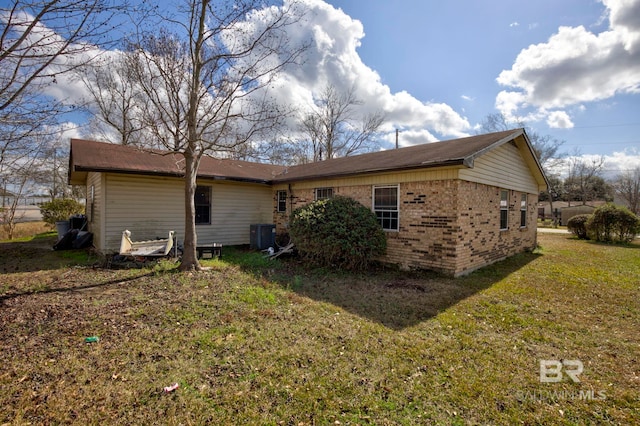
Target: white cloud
575,66
333,59
559,120
514,24
410,137
468,98
614,163
621,161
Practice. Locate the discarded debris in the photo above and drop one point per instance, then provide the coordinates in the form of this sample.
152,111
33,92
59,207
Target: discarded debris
171,388
272,254
91,339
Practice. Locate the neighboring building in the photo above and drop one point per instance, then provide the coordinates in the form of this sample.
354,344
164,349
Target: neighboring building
568,212
563,210
449,206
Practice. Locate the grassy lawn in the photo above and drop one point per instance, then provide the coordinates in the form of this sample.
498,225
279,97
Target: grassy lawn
253,341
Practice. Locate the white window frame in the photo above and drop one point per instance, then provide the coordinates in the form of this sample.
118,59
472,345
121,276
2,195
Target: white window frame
379,211
504,207
523,210
278,201
329,190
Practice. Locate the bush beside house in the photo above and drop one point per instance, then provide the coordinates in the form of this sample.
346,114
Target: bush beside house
60,210
337,232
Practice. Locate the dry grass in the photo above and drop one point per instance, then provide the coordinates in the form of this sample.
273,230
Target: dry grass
25,230
254,342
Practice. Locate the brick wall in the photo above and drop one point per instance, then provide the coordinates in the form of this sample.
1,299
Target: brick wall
481,240
450,226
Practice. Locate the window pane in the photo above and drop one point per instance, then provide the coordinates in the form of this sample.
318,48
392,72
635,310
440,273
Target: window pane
386,198
203,214
282,201
202,200
388,220
323,193
503,219
385,206
504,198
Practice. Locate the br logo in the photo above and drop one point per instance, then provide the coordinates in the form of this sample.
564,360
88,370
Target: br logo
551,370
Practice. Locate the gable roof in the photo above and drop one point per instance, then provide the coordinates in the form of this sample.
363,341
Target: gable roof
93,156
90,156
454,152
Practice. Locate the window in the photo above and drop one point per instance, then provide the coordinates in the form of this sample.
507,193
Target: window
323,193
385,206
523,211
202,199
282,201
504,210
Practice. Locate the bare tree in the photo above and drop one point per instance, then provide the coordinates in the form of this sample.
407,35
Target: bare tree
20,174
206,83
334,129
44,39
627,187
115,100
583,178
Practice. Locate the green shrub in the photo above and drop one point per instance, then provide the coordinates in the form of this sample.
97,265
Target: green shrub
338,232
610,223
578,225
60,209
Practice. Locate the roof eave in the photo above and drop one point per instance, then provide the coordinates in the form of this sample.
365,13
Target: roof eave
448,163
80,169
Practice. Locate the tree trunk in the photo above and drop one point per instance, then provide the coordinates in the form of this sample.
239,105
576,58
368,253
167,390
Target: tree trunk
189,256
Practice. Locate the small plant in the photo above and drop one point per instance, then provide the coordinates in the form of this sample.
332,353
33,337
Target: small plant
578,226
338,232
610,223
59,210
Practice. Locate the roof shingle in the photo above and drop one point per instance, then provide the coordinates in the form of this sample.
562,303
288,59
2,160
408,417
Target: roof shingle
456,151
105,157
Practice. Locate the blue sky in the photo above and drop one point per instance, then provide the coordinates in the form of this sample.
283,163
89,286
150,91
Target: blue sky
567,68
453,52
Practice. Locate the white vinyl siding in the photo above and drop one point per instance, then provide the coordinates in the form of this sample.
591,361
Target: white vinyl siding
95,207
234,207
503,167
149,207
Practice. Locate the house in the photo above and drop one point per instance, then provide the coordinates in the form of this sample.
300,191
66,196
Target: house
451,206
143,192
563,210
